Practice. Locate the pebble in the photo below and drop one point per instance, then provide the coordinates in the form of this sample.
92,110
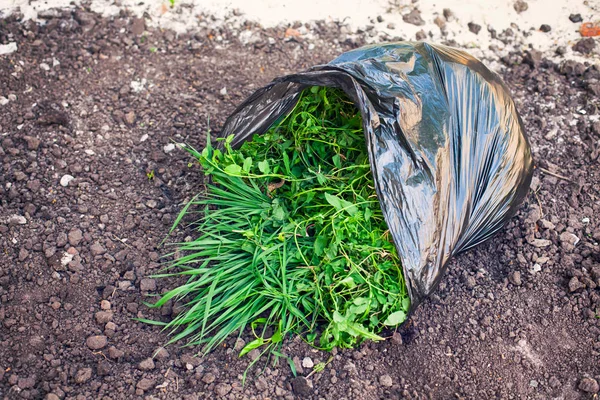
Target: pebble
575,18
239,344
515,278
169,148
45,67
520,6
208,378
115,353
96,342
3,101
96,249
223,91
52,396
83,375
222,389
449,15
386,380
147,285
589,385
64,181
414,18
145,384
17,220
146,365
105,305
540,242
545,28
130,118
575,285
261,384
473,27
8,48
585,46
75,237
102,317
307,362
161,353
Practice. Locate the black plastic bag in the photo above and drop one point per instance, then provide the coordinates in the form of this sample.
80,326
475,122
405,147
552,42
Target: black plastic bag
447,148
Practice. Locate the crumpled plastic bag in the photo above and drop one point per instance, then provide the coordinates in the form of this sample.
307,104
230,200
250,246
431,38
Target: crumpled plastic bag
447,148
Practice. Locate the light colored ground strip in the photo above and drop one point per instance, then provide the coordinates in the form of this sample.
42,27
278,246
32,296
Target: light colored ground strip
497,14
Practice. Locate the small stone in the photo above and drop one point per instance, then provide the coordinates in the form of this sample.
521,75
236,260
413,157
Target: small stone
64,181
222,389
533,58
515,278
379,18
553,382
575,18
105,305
397,338
102,317
146,365
169,148
130,118
52,396
589,385
540,242
75,237
97,249
16,220
569,238
161,353
208,378
239,344
254,354
96,342
45,67
103,368
151,203
301,386
575,285
386,380
473,27
440,22
145,384
391,25
307,362
421,35
33,143
261,384
414,18
115,353
448,14
533,383
585,46
83,375
520,6
545,28
470,282
223,91
147,285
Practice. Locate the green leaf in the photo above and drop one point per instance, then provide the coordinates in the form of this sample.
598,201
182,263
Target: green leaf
233,169
337,161
247,164
263,167
319,246
256,343
395,318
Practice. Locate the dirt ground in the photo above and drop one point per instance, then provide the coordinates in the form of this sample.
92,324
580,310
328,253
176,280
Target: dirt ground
102,100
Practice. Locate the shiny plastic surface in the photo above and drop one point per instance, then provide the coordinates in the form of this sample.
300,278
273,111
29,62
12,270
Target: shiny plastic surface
447,148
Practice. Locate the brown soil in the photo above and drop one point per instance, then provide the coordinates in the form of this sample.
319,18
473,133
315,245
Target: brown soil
513,318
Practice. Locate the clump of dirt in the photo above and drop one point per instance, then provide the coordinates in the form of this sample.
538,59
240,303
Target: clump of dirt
90,183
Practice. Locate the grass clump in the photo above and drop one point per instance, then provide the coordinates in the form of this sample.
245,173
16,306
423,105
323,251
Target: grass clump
291,238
